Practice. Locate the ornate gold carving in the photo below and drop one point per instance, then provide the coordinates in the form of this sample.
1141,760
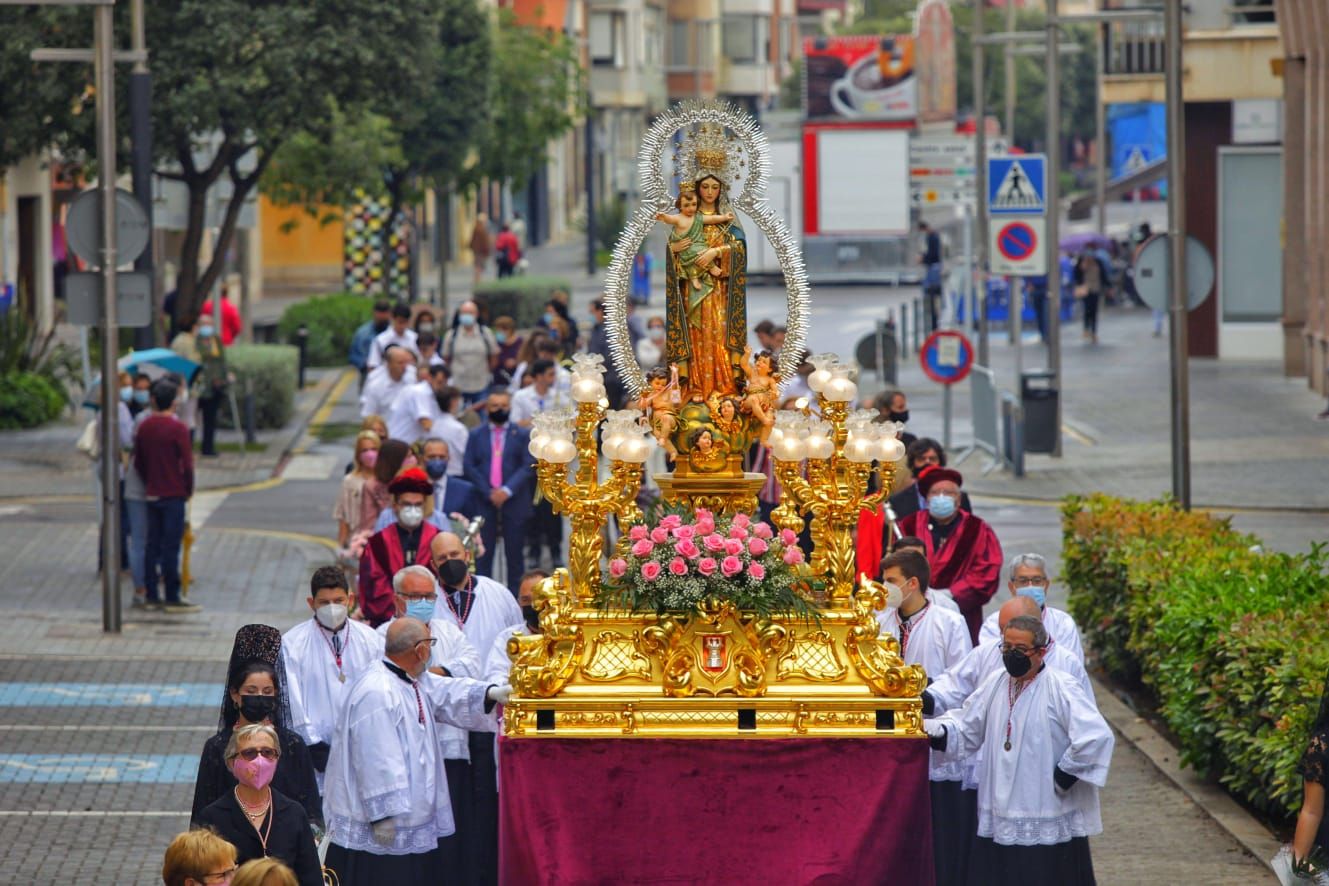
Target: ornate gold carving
811,655
735,495
614,656
543,663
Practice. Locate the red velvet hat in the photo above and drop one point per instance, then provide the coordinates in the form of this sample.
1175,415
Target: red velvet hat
411,480
933,474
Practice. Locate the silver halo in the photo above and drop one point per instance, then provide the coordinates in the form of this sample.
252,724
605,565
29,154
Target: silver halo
750,199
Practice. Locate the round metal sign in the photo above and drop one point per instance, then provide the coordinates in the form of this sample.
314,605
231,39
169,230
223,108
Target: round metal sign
1151,272
83,227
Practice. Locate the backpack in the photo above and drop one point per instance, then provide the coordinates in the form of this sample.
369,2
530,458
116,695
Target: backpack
451,346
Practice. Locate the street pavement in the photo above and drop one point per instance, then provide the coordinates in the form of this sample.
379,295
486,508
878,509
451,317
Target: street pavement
101,733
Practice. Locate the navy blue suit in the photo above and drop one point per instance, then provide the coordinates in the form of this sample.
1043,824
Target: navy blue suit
515,515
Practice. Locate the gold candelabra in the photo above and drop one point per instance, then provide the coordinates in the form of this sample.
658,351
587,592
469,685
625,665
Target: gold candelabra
839,450
585,500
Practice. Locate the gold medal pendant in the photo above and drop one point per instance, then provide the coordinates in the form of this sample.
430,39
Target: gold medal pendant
341,678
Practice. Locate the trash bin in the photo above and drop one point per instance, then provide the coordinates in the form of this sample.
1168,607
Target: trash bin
1038,396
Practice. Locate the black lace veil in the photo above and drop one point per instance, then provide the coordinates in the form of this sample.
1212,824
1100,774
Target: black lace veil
255,644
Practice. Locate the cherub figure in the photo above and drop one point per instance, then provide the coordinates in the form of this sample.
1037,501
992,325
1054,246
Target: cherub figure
725,416
707,455
763,390
660,400
697,259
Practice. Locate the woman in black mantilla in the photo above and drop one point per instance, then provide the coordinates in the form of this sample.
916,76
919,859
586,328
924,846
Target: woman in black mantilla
253,695
1312,824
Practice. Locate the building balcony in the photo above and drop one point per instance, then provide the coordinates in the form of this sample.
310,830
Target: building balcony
626,87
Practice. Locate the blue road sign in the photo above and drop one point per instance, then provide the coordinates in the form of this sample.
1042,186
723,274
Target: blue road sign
947,356
1017,241
1017,185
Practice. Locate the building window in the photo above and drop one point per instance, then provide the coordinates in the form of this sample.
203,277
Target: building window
680,44
652,27
739,33
606,39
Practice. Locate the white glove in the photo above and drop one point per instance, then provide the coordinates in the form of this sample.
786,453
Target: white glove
934,729
499,694
385,832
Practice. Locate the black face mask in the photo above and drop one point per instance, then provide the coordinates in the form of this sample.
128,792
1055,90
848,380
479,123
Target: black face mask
498,416
532,619
452,572
257,708
901,417
1017,665
380,325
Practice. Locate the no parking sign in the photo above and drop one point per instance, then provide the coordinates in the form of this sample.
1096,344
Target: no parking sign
946,356
1017,246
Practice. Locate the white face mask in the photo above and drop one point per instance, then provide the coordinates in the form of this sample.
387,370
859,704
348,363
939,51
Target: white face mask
331,615
411,516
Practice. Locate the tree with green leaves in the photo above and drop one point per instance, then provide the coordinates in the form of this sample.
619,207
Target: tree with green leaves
233,80
537,95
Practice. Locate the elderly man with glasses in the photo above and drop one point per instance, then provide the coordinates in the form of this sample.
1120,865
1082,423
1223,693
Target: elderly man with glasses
387,804
1027,576
1045,753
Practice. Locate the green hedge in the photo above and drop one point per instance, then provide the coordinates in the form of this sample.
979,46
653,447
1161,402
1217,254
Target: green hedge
521,297
272,370
331,321
27,400
1232,641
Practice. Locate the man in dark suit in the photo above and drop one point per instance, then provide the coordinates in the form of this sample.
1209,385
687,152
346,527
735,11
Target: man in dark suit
452,494
499,466
922,453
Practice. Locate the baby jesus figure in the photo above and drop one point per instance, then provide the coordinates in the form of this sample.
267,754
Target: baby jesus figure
763,390
697,259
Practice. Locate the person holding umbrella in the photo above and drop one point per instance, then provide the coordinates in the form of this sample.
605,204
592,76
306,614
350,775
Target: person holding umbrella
200,343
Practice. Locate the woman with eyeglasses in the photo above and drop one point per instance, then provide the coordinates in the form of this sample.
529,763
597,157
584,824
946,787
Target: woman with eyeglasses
257,820
253,696
198,857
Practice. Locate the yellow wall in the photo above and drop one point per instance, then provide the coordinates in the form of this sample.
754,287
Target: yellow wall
308,243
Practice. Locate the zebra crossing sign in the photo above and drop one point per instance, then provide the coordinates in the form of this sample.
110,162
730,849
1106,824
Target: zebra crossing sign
1017,185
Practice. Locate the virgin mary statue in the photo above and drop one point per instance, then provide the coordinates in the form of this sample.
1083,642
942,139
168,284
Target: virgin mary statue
706,336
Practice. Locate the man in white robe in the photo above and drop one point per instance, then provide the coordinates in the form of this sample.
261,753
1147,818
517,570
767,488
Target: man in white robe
1027,576
388,805
416,593
385,384
397,335
482,608
498,664
412,415
952,688
937,596
936,638
322,657
1046,753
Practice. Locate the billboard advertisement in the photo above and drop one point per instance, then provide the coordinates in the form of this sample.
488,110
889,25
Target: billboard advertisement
859,78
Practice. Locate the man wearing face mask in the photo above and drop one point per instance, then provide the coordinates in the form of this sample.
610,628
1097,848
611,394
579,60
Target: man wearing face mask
962,550
403,542
451,495
499,466
935,638
321,657
387,802
452,656
399,334
1045,752
471,352
483,609
1027,576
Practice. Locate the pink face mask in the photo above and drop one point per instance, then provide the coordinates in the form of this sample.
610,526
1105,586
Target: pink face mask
368,457
409,462
255,773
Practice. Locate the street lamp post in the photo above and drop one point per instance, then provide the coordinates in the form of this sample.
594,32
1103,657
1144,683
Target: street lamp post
140,122
1054,213
1176,224
980,183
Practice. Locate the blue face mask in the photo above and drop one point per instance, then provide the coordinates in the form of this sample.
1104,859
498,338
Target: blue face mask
1038,594
467,319
141,395
421,610
206,331
941,506
436,467
126,394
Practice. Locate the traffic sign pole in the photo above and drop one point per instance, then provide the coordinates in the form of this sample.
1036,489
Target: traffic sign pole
1053,203
981,182
1176,223
104,77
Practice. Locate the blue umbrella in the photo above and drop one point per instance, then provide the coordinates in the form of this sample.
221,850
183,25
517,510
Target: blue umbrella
163,358
153,362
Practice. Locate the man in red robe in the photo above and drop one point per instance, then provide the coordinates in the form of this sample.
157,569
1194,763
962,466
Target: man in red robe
962,550
398,545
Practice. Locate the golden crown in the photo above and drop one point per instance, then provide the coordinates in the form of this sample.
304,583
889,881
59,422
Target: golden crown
711,161
710,149
686,187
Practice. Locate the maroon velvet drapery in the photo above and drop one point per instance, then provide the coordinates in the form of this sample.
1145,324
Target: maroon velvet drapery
666,811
